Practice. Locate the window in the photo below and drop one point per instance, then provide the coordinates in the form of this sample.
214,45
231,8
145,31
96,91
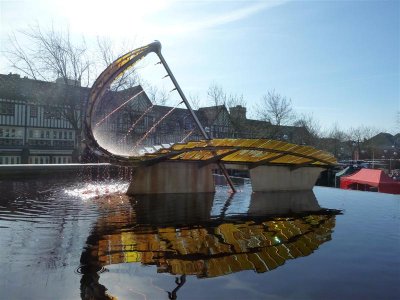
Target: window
30,134
70,135
54,135
34,111
51,113
19,133
7,108
60,135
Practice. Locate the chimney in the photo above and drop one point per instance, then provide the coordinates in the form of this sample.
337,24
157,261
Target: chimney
238,112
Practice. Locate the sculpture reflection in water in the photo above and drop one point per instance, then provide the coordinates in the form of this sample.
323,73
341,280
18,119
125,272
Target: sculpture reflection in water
178,235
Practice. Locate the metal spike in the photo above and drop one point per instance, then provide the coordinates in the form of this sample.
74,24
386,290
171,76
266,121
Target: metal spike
174,89
165,76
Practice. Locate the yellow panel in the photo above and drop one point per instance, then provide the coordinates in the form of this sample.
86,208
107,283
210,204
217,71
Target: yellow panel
267,149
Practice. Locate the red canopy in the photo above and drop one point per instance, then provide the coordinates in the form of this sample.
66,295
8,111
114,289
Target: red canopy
369,177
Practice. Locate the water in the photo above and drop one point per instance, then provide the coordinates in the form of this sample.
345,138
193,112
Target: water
87,240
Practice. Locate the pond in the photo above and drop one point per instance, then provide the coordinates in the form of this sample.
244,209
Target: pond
65,239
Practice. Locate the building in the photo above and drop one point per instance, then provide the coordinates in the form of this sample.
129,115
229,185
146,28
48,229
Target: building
249,128
39,121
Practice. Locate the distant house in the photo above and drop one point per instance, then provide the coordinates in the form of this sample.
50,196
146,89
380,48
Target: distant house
383,141
248,128
216,121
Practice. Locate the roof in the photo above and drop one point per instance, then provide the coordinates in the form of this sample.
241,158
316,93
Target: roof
382,140
12,86
369,176
248,151
207,115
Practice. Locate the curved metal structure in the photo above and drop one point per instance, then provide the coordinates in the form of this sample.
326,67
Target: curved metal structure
251,152
103,83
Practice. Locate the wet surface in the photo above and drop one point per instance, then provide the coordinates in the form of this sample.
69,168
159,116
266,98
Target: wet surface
71,239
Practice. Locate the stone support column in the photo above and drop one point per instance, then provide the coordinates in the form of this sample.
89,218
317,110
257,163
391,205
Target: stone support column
281,178
172,177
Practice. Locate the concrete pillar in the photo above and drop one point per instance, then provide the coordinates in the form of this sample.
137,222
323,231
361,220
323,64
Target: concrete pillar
282,178
172,177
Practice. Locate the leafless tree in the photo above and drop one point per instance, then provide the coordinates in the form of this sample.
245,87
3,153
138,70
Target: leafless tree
216,94
313,134
194,101
234,100
275,109
157,96
359,138
336,141
361,133
53,55
107,53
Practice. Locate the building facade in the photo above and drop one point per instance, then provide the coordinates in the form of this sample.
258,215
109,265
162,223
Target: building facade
34,124
41,122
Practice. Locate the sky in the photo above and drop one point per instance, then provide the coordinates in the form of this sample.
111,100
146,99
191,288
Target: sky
338,61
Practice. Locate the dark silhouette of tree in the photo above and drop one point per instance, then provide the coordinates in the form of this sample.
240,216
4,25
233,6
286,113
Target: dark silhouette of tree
52,55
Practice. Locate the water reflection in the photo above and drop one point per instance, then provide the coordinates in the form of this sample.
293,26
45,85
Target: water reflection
179,235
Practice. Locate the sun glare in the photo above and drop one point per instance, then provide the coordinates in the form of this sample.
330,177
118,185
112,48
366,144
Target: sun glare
108,18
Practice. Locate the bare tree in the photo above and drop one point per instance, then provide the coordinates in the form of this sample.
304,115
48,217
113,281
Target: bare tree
359,139
216,94
53,55
107,53
312,126
361,133
157,96
235,100
194,100
275,109
336,142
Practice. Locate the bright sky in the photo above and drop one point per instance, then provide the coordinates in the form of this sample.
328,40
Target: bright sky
337,60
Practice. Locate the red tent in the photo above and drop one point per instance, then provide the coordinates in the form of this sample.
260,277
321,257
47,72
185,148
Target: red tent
365,179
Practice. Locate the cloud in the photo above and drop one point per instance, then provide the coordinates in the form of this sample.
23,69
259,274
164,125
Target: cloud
232,16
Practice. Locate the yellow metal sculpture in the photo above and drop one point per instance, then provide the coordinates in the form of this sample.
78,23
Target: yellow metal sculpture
250,152
247,151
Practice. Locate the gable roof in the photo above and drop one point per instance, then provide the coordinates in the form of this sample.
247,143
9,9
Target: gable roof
13,87
382,140
208,115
